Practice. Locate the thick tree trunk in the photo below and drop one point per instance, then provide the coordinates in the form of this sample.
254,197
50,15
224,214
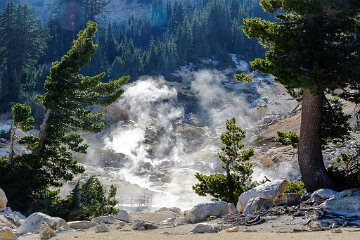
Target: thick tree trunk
312,168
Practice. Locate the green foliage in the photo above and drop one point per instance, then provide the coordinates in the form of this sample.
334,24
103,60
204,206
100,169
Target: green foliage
21,115
297,187
86,201
288,138
346,168
236,164
68,100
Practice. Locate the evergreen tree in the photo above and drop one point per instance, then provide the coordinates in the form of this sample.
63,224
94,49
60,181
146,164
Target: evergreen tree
238,169
22,42
69,103
313,46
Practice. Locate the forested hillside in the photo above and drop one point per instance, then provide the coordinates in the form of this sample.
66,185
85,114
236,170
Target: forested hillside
172,34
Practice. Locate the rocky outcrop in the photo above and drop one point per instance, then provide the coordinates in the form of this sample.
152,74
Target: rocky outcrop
143,225
34,222
323,194
348,200
257,204
206,228
81,225
3,199
269,190
202,211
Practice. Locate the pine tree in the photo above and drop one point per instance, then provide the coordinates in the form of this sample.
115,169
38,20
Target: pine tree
313,46
235,162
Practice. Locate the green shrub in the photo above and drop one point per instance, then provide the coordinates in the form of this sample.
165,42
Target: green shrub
235,162
296,187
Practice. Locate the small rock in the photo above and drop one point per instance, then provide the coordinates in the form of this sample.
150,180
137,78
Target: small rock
168,221
120,225
3,199
287,199
101,228
232,229
206,228
143,225
7,233
269,190
46,232
105,219
123,216
211,218
258,204
179,221
81,224
336,230
305,196
172,209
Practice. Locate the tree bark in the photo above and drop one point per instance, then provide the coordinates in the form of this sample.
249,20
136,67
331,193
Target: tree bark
43,131
311,163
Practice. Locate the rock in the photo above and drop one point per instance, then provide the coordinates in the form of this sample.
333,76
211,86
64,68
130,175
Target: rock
269,190
46,232
323,194
350,203
3,199
202,211
81,224
179,221
173,209
6,222
349,192
206,228
120,225
33,223
143,225
123,216
168,221
287,199
232,229
101,228
305,196
105,219
257,204
7,233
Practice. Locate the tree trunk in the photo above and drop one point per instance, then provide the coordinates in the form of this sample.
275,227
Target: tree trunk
43,131
311,163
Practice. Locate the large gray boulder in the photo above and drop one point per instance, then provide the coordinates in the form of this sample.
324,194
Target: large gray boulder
257,204
347,203
206,228
33,223
105,220
269,190
3,199
202,211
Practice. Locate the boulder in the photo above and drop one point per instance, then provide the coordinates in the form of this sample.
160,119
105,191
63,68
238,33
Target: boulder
206,228
349,192
33,223
257,204
123,216
202,211
6,222
179,221
101,228
269,190
81,224
105,219
46,232
348,203
7,233
143,225
288,199
323,194
3,199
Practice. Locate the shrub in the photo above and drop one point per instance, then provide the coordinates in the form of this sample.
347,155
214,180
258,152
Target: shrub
297,187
